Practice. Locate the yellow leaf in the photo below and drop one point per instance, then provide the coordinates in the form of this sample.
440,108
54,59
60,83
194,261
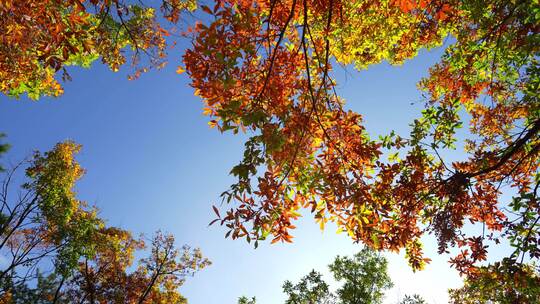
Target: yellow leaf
207,111
180,70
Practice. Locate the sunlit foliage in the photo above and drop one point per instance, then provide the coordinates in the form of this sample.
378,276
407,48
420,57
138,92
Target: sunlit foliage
265,67
310,289
502,282
57,250
40,38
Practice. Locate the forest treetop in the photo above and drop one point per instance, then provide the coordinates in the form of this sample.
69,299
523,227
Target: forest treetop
56,249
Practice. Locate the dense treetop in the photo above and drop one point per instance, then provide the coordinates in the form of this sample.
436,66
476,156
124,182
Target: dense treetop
56,249
266,67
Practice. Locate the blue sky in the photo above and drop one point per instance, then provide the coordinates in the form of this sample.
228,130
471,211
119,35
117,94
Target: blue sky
153,163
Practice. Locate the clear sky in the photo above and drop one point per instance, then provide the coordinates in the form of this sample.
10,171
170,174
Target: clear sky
153,163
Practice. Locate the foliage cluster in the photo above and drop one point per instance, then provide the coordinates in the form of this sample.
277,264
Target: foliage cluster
41,38
90,262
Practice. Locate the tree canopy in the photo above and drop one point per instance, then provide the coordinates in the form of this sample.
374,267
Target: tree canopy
265,67
502,282
311,289
57,250
364,275
363,279
41,38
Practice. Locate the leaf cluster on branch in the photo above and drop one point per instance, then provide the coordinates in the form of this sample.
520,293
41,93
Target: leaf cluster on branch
41,38
266,67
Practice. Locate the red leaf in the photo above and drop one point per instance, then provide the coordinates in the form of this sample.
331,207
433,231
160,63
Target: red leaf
207,9
216,211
